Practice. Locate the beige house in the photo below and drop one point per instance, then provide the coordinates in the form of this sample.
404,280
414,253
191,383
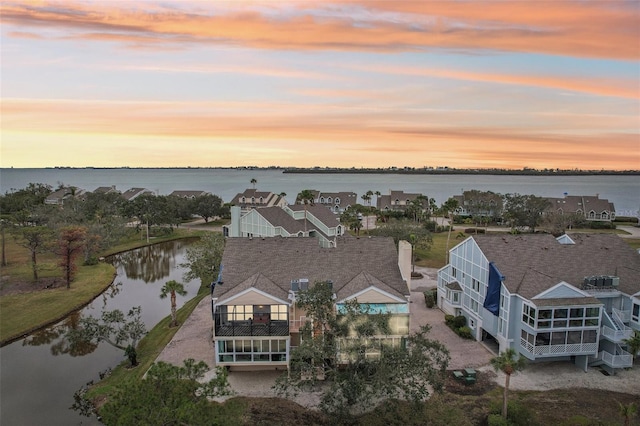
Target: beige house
256,322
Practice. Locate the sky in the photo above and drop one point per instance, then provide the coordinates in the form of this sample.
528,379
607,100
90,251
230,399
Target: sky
332,83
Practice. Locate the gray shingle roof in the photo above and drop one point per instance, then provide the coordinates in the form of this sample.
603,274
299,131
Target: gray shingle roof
321,212
276,216
532,264
353,265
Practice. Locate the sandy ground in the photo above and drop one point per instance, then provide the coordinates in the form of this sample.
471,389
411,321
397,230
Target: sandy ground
193,340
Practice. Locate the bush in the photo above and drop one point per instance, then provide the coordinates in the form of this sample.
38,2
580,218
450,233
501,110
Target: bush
474,231
448,319
518,414
459,321
602,225
464,332
429,299
496,420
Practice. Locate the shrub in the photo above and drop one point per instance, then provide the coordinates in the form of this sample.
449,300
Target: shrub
602,225
448,319
518,414
459,321
474,231
429,299
464,332
496,420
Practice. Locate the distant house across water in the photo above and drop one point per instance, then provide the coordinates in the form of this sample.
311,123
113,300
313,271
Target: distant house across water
592,208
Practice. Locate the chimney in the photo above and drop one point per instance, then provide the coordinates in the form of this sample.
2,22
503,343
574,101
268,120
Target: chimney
404,261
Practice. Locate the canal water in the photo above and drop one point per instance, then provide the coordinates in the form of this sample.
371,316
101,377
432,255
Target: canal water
40,373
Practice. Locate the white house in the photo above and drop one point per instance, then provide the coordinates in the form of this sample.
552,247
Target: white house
575,297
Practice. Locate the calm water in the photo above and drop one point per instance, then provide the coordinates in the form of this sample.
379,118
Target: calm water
39,374
623,191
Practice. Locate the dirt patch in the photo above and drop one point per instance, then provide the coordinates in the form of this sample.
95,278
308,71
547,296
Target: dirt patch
21,287
485,381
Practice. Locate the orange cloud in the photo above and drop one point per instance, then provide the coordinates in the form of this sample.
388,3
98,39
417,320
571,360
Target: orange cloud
301,134
582,29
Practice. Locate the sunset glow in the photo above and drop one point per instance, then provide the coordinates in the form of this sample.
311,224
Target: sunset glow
466,84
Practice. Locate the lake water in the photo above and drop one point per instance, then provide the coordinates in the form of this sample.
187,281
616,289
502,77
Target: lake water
40,373
623,191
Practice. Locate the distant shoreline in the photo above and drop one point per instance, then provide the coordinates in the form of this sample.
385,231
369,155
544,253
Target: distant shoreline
388,170
496,172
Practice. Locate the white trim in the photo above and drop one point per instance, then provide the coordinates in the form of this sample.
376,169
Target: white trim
355,296
252,289
560,284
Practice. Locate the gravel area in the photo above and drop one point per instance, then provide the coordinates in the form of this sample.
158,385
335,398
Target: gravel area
193,340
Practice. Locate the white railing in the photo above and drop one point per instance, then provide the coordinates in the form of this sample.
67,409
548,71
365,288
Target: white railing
294,325
526,345
574,348
624,316
616,335
623,360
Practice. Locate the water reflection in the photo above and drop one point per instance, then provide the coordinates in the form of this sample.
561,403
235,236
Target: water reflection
58,337
45,369
151,263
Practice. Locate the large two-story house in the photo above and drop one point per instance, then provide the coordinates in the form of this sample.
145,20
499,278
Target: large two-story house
575,297
590,207
288,221
255,318
479,203
399,201
337,202
253,199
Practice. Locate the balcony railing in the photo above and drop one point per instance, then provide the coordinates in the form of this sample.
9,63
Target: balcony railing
624,360
249,328
616,335
566,349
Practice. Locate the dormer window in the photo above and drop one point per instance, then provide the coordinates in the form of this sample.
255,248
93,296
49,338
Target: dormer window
261,200
300,284
329,200
243,200
253,200
337,200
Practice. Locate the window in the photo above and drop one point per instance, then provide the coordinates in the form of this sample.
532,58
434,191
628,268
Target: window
528,315
474,306
454,272
472,322
456,297
337,200
635,312
475,284
279,312
239,312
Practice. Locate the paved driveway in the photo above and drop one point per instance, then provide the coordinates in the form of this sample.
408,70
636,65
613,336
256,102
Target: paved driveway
464,352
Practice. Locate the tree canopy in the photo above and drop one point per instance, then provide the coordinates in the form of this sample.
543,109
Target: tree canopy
352,349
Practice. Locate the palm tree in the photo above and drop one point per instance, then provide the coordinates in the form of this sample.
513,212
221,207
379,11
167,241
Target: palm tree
633,343
306,197
253,182
171,288
628,411
449,208
508,364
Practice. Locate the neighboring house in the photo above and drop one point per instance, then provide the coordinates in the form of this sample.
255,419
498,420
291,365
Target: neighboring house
575,297
399,201
106,190
287,221
189,194
253,199
338,202
57,198
592,208
134,193
255,318
479,203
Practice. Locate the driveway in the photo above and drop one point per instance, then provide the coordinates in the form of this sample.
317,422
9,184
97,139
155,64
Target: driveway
463,352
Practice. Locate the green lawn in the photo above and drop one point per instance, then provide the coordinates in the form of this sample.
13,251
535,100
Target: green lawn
22,313
26,312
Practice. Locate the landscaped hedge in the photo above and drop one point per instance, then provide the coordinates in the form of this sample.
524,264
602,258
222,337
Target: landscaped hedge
458,325
430,297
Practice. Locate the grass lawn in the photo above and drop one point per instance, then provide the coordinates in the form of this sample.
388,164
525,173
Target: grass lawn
25,312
